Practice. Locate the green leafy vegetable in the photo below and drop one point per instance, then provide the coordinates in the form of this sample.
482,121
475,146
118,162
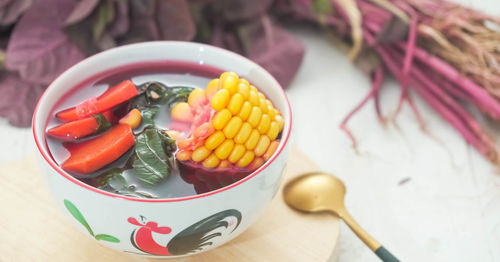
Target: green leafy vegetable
102,123
148,113
178,94
153,156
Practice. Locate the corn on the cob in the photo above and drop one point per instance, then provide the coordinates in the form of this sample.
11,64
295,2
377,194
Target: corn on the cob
242,129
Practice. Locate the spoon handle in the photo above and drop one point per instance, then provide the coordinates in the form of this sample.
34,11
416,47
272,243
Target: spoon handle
385,255
373,244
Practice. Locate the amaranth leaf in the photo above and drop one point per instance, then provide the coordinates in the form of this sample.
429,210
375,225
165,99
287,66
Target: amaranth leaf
153,153
37,49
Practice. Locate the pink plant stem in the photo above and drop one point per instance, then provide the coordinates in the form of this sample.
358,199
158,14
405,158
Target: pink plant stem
453,117
376,83
407,63
486,102
371,41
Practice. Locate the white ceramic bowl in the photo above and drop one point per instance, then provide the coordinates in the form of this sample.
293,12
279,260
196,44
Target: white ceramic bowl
164,227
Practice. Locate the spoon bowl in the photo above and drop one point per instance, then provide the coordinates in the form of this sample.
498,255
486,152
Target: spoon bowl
315,192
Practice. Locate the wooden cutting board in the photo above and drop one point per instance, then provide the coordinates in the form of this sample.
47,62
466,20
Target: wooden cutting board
33,229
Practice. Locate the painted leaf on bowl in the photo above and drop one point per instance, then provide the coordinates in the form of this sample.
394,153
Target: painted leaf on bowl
77,215
108,238
38,50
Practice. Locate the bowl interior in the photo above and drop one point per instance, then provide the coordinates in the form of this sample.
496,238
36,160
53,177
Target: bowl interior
151,52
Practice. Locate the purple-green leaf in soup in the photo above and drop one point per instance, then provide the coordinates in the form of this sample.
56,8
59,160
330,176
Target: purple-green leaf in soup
38,50
10,11
18,99
273,48
238,10
82,10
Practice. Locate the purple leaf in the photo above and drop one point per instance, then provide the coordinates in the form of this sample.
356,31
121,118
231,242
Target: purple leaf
174,20
226,39
120,24
81,11
18,99
273,48
4,3
160,20
10,11
238,10
37,49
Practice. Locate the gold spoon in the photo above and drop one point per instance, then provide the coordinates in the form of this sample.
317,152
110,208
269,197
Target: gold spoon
316,192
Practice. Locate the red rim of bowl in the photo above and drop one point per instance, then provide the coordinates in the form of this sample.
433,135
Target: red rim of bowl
49,160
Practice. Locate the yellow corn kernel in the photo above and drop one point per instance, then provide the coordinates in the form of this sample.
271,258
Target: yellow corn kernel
235,103
281,122
232,127
262,145
262,96
224,164
245,110
244,90
223,151
237,153
196,97
256,163
227,74
181,112
132,118
214,140
253,98
269,102
255,116
200,153
245,82
264,124
183,155
263,105
271,149
211,161
221,118
230,83
243,134
277,112
273,131
270,111
246,159
174,134
212,87
220,99
253,88
252,140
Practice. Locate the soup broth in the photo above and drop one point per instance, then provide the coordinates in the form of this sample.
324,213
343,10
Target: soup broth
152,130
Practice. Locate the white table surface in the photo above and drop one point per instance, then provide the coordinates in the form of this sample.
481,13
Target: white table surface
448,210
